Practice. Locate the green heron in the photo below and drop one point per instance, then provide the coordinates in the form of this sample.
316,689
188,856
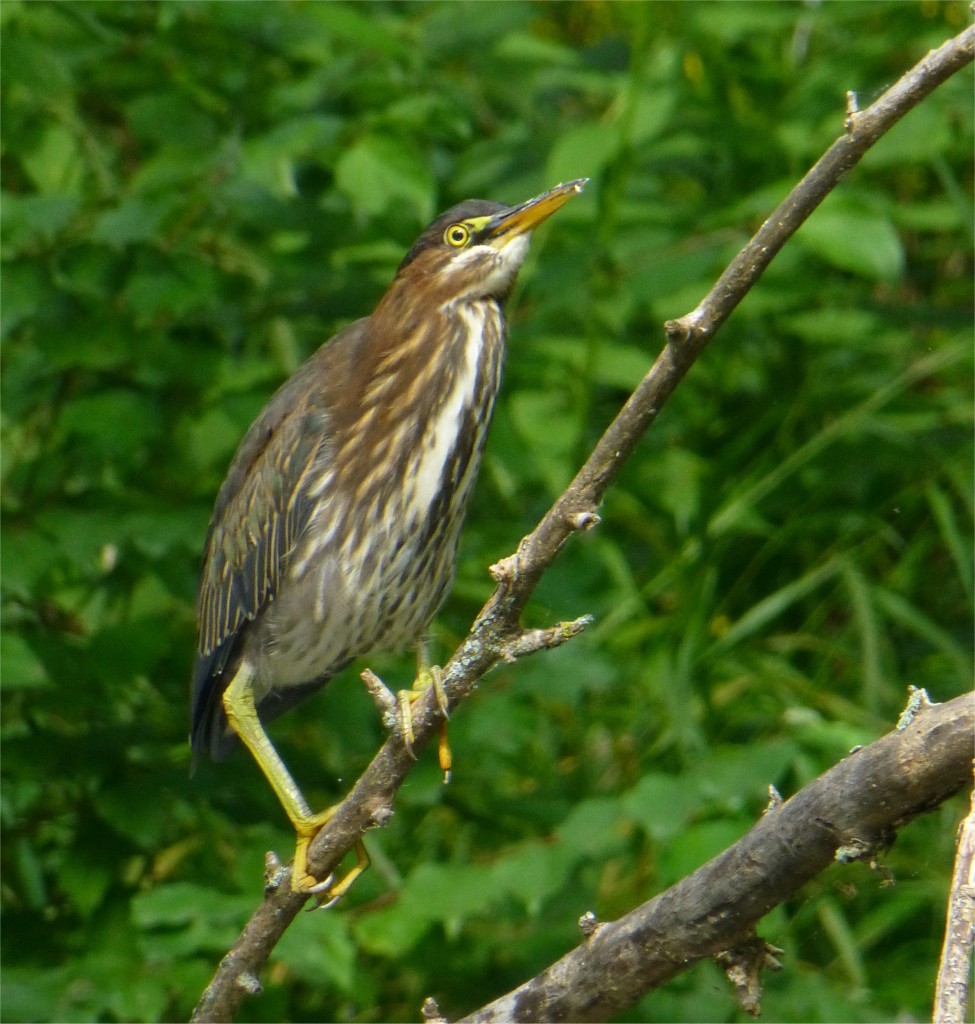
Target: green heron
335,531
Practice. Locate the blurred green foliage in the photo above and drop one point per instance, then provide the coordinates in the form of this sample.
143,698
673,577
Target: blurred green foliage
195,196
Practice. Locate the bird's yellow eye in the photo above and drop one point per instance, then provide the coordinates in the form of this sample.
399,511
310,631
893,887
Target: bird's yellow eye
457,235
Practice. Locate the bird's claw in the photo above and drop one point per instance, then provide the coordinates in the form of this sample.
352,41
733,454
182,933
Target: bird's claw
325,897
429,677
326,904
404,700
435,674
320,887
325,893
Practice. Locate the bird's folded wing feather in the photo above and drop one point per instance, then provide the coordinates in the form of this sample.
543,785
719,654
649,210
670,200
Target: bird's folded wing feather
264,505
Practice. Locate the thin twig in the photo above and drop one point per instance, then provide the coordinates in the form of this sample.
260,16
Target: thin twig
529,641
951,996
496,628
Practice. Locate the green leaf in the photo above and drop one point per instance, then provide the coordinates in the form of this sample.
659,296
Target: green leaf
27,555
528,49
650,115
346,24
583,152
33,220
326,952
834,326
115,424
920,137
444,892
855,238
30,874
212,439
662,804
123,806
694,846
24,999
174,120
621,366
546,424
31,65
392,931
593,829
180,903
165,291
379,174
19,665
272,158
911,618
85,880
740,776
55,164
956,539
532,873
24,290
678,480
769,608
134,220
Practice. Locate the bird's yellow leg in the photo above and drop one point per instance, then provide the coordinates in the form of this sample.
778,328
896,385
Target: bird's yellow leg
238,702
427,676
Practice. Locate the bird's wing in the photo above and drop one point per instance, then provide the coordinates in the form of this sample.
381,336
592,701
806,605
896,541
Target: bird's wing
260,513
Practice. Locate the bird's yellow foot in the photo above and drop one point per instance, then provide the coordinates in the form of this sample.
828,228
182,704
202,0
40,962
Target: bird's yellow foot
325,892
307,828
429,676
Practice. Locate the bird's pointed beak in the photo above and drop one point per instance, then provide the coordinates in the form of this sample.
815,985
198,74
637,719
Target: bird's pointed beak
519,220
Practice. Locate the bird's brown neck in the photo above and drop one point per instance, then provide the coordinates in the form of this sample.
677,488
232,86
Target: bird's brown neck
421,378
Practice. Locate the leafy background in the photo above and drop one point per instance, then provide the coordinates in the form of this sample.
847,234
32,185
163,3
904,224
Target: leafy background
195,196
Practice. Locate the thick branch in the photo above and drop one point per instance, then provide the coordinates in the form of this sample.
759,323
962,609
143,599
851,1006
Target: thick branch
851,812
496,631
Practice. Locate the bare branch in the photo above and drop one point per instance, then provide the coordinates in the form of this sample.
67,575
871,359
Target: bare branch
382,696
531,640
689,335
743,966
497,629
856,805
952,992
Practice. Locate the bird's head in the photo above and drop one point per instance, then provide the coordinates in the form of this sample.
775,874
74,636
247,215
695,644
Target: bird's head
475,249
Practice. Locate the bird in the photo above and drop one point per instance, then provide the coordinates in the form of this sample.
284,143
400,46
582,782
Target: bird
335,531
